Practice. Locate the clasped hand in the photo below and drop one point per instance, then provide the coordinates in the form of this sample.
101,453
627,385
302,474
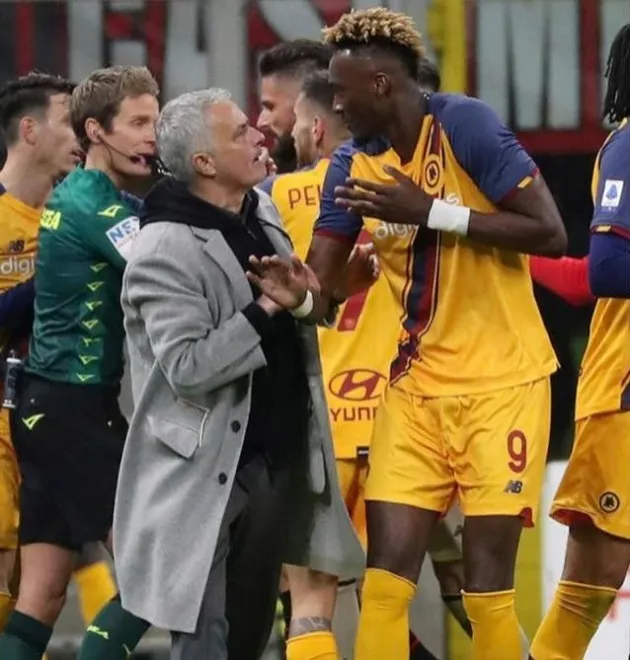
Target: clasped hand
286,281
402,202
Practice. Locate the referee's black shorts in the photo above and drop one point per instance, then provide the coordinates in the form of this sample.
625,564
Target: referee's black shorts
69,441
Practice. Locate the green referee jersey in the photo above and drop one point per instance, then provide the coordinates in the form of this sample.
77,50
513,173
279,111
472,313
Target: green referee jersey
86,231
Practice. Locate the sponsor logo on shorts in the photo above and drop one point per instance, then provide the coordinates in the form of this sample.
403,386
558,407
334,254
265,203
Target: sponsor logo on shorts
609,502
357,385
31,422
513,486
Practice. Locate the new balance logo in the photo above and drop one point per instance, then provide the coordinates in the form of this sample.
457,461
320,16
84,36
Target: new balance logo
513,487
31,422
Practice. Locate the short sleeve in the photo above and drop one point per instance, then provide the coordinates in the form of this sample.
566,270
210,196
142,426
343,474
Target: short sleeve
487,150
612,199
112,232
335,220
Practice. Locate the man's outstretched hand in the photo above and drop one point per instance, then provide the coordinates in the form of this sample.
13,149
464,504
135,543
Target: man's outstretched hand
285,281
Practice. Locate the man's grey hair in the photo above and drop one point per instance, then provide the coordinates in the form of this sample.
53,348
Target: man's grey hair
182,129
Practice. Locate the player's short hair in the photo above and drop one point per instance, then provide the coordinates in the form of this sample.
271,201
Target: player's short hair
376,29
26,95
429,75
182,129
100,94
617,101
317,88
295,59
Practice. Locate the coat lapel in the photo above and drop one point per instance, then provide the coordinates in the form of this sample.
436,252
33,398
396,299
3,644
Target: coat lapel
216,247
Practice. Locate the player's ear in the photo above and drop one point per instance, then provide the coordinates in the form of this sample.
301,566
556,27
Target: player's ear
318,129
204,164
381,85
93,130
27,129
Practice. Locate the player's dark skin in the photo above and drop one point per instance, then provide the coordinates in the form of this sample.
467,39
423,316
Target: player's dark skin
377,96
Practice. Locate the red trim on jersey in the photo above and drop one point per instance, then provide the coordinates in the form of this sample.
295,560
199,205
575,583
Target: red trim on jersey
566,277
612,229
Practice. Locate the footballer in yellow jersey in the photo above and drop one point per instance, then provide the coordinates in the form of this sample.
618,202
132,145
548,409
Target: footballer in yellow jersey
593,498
19,224
603,398
356,352
474,346
466,410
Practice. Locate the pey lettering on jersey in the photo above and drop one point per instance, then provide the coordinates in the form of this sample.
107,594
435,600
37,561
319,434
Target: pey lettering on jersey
122,235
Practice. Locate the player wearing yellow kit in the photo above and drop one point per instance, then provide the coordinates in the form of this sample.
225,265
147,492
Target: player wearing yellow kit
593,498
466,410
354,357
41,146
19,223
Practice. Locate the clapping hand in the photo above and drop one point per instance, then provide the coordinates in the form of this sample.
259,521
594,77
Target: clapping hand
284,281
402,202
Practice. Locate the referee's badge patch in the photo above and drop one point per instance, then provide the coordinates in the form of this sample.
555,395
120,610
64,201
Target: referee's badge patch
122,235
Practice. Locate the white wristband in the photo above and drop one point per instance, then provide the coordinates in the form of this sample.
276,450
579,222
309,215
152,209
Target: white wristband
448,217
303,310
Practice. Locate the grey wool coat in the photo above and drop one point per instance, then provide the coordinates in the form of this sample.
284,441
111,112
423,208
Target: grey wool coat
192,355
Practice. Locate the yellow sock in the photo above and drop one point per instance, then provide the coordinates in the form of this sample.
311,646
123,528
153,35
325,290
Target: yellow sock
96,588
313,646
7,603
571,621
496,631
384,620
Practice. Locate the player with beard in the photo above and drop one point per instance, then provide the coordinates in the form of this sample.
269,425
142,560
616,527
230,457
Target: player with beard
67,427
42,147
466,411
282,70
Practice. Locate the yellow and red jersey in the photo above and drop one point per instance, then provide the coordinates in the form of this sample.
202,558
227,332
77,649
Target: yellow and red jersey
471,323
355,353
604,384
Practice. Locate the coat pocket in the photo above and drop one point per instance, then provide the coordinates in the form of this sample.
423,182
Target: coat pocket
183,436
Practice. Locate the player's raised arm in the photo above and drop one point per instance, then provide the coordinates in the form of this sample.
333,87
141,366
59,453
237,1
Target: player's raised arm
335,232
609,255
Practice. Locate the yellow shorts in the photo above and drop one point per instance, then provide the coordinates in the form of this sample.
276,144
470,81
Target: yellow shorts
352,474
9,487
489,450
596,484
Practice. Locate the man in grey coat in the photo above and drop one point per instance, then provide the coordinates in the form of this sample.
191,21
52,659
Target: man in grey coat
229,445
